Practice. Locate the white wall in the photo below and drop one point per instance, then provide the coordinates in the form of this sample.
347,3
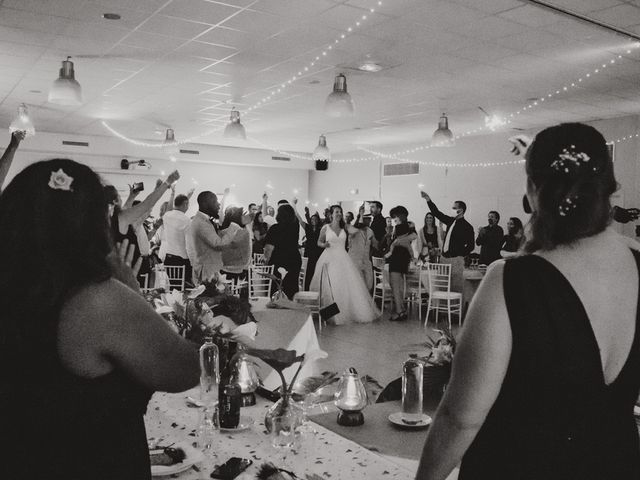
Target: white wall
250,170
483,189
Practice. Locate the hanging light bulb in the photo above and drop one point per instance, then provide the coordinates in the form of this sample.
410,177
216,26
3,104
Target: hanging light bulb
321,154
339,102
66,90
443,137
234,128
169,145
22,122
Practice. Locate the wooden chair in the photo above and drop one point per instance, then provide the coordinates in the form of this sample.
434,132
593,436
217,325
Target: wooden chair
306,297
380,284
258,259
175,273
259,285
440,295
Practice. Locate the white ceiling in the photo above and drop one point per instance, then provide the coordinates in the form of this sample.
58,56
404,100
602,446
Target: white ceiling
184,63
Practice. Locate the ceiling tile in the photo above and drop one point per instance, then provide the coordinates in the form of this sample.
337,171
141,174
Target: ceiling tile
620,15
258,24
586,6
199,11
300,9
206,50
228,36
152,41
532,15
174,27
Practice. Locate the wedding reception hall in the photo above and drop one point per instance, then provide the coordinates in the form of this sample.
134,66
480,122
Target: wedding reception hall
320,239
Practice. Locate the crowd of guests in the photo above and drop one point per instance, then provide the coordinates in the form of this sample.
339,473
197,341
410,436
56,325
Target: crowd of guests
546,372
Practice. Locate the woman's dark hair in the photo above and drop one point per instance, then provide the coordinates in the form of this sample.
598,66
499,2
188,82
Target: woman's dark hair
399,211
286,215
232,214
257,218
571,169
425,229
54,241
517,224
341,223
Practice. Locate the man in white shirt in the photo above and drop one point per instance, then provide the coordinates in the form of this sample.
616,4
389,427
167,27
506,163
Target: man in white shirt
175,223
204,243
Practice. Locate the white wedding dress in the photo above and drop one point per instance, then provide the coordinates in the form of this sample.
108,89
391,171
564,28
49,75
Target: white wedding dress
342,283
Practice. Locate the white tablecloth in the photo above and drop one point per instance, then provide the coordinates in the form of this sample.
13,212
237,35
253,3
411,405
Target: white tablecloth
325,453
288,329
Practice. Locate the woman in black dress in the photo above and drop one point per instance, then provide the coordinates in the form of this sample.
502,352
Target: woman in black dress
259,229
547,371
430,240
281,248
81,351
312,251
399,257
514,240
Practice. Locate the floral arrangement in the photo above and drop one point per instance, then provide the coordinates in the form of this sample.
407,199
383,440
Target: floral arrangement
441,349
206,311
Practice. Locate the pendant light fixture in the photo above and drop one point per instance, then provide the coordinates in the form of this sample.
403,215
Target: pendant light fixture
443,137
66,90
169,145
234,128
339,102
23,122
321,154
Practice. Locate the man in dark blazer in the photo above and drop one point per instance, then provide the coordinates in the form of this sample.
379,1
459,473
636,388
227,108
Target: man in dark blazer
458,241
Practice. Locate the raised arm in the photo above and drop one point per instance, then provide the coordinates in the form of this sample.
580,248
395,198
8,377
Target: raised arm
139,212
480,365
7,157
172,198
265,198
133,194
446,219
295,209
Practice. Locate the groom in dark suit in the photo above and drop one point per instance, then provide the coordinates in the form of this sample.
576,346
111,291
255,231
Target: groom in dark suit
458,241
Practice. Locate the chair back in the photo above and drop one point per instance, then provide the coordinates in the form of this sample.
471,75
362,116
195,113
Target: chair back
439,277
143,280
378,263
175,274
258,259
303,273
259,285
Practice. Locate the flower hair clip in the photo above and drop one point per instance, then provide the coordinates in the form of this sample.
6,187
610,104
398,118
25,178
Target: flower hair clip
567,205
569,160
60,181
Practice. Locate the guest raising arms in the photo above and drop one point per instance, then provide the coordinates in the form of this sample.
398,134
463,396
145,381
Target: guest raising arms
312,251
547,371
430,240
81,351
7,157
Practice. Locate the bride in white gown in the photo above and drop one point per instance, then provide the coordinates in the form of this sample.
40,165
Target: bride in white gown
342,283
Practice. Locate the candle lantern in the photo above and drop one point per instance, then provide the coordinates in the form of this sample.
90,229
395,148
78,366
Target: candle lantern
247,379
351,399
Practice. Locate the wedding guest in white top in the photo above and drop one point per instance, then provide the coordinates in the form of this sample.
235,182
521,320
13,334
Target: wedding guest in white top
268,212
236,260
175,223
203,240
360,245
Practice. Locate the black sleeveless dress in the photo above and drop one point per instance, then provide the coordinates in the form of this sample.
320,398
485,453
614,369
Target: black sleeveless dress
58,425
555,418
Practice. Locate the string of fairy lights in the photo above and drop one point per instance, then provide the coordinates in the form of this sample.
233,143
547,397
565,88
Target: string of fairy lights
306,69
492,123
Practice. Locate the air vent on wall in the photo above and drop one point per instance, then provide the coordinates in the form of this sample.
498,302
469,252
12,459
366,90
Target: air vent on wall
393,169
281,159
75,144
190,152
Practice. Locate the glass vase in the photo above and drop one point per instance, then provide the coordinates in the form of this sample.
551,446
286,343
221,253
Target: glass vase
284,407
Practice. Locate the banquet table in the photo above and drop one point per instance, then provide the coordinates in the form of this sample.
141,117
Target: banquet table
322,452
289,329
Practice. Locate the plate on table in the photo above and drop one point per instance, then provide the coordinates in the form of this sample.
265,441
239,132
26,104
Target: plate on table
192,456
244,424
397,419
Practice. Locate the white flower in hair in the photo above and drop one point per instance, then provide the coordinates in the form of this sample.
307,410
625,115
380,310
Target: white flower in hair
60,181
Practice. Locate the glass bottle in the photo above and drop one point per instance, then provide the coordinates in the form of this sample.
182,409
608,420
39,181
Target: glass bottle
412,376
209,373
